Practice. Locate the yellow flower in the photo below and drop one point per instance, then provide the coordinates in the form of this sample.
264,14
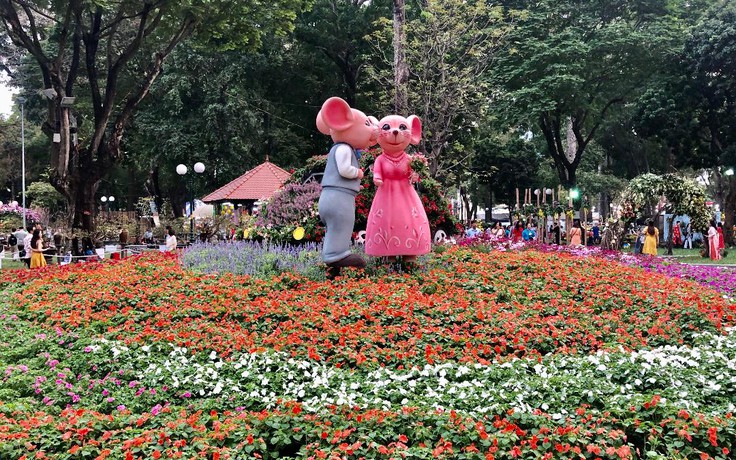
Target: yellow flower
298,233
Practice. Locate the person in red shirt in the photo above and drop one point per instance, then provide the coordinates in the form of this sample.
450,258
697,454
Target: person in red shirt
517,232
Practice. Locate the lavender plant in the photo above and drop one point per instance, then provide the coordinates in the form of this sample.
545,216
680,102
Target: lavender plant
258,259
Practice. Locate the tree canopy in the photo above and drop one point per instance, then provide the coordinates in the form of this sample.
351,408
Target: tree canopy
608,90
117,50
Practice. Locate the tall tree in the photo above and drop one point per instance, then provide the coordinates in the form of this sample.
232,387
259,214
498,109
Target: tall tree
570,63
690,111
107,56
451,44
230,110
401,66
337,29
710,56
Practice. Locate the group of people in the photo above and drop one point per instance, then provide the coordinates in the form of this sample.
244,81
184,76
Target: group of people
521,231
28,245
34,247
682,236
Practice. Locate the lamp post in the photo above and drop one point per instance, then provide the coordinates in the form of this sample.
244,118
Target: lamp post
106,200
182,171
22,101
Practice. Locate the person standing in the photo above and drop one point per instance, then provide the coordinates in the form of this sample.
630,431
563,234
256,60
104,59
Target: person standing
576,234
687,237
714,242
37,259
27,247
20,236
651,239
13,244
58,243
676,234
76,250
721,239
555,231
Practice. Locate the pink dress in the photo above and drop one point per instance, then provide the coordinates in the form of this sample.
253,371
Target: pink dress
397,222
713,249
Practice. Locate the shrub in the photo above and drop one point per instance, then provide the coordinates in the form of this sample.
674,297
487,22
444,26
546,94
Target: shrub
293,206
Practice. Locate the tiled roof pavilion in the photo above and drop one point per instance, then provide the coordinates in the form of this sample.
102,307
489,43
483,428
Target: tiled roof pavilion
259,183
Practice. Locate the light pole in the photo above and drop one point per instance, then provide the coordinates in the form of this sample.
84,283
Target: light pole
107,200
182,171
22,101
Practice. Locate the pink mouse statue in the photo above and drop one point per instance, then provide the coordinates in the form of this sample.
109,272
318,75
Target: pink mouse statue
350,129
397,222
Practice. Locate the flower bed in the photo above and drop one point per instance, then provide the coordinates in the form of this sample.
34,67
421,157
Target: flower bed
259,259
483,355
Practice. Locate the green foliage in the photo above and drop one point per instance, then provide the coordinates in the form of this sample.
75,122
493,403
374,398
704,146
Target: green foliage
681,196
572,62
710,56
44,195
123,48
450,45
504,162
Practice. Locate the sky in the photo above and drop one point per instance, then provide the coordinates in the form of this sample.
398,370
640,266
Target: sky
6,101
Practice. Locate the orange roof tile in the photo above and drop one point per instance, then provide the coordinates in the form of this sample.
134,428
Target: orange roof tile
259,183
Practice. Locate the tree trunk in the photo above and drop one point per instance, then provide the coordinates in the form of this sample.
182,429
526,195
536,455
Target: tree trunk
83,191
566,152
153,186
671,234
401,68
729,207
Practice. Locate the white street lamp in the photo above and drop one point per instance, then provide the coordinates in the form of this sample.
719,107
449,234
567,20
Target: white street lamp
182,170
107,200
22,101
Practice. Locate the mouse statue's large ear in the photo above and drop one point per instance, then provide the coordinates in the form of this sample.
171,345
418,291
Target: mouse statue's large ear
416,128
335,115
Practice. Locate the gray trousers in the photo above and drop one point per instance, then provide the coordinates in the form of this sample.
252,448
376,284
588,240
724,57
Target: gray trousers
337,212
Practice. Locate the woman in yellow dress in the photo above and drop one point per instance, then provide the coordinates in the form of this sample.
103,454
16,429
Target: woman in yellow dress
651,239
37,258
